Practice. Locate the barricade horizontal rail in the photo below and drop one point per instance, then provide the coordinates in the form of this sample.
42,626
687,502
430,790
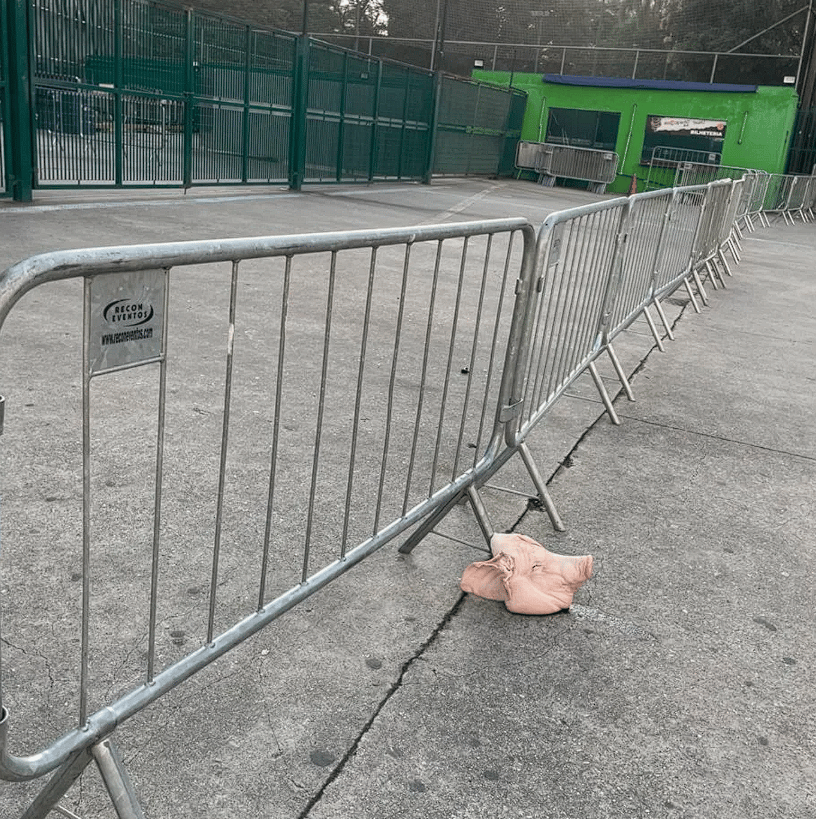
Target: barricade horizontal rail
230,392
256,416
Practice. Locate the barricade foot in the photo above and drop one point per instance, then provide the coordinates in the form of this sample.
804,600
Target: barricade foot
655,335
607,401
663,319
613,357
691,296
724,261
700,289
541,488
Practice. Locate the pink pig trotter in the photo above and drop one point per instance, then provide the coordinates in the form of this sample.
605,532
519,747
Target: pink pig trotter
525,576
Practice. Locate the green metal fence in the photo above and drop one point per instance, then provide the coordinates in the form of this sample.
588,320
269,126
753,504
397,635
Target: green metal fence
477,128
4,118
116,93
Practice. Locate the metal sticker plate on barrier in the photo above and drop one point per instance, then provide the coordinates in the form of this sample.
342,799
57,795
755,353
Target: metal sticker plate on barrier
126,319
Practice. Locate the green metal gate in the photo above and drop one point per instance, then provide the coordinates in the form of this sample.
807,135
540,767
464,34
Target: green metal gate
366,119
144,94
128,93
477,128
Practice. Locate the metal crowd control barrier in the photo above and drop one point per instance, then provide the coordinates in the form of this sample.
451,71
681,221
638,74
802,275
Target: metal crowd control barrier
788,196
550,161
758,196
356,373
597,269
383,375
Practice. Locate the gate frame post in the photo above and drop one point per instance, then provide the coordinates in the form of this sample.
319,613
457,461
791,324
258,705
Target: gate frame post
300,99
427,176
20,102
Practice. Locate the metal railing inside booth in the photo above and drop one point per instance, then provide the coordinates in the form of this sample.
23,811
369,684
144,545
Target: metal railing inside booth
551,161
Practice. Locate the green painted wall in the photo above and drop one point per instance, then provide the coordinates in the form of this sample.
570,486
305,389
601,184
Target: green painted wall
758,133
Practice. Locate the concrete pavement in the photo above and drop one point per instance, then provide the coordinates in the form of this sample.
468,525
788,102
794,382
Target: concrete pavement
680,683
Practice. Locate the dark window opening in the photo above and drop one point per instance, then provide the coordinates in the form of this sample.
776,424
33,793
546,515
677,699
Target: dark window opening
583,129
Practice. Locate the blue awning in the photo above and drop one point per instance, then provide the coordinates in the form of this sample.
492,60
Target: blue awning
655,85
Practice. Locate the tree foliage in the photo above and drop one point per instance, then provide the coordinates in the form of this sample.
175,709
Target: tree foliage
362,17
695,25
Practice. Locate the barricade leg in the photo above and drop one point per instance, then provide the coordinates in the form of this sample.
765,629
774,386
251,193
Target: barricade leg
734,246
712,272
718,270
655,335
480,511
663,319
613,357
541,488
113,775
59,784
607,401
691,295
700,289
116,781
724,261
427,525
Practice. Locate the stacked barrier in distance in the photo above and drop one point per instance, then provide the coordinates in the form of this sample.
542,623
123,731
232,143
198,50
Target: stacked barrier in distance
454,372
551,161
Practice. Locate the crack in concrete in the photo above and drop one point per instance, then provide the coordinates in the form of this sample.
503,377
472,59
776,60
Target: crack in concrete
395,687
533,503
722,438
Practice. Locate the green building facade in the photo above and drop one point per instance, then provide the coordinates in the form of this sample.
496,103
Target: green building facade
744,126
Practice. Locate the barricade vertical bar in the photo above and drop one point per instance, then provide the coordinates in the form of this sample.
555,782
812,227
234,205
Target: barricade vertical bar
472,362
358,402
423,376
154,570
321,406
671,204
219,512
392,381
276,421
451,347
495,339
86,504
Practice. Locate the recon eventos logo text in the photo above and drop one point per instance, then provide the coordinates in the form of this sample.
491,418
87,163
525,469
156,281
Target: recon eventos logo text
127,313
